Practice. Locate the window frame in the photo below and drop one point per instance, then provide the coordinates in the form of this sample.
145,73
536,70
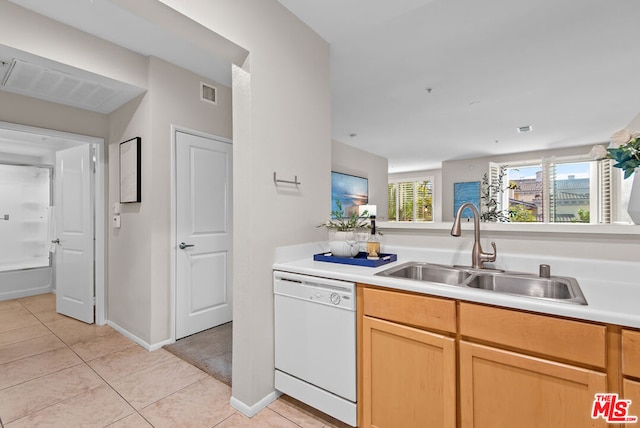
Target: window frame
415,181
598,169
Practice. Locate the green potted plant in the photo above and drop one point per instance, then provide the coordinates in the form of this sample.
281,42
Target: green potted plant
344,230
625,151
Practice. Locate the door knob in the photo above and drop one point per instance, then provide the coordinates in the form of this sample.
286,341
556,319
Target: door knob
182,245
56,241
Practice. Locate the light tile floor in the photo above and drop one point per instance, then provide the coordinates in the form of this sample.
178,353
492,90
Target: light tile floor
59,372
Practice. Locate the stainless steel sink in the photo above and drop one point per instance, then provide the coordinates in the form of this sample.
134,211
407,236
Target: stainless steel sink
556,288
428,272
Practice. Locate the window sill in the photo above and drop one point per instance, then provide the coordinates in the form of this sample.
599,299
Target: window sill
582,229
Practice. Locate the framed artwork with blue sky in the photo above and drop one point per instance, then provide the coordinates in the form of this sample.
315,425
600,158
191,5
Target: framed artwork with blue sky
350,190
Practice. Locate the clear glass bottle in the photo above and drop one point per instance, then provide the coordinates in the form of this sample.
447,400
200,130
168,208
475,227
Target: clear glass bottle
373,241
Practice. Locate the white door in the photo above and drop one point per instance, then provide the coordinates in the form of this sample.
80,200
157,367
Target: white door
203,233
74,233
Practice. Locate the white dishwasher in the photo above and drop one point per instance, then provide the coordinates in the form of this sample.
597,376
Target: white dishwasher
315,342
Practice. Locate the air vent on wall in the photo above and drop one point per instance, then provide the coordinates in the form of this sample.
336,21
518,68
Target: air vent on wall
40,82
208,93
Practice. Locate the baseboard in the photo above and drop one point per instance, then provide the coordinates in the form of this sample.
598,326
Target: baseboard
17,294
129,335
251,411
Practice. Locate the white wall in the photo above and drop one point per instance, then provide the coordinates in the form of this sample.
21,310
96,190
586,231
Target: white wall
353,161
140,251
129,267
539,245
36,34
456,171
282,123
284,126
42,114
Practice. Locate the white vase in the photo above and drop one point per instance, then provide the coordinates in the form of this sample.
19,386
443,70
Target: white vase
343,244
634,199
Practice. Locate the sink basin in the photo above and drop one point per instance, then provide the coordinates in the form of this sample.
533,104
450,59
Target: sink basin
556,288
428,272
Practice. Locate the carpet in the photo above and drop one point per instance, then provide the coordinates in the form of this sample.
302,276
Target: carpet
209,350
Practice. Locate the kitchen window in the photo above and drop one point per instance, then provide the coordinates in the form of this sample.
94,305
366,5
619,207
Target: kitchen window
557,190
411,200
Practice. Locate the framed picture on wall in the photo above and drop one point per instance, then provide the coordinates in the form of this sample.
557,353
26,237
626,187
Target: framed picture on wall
466,192
130,171
350,190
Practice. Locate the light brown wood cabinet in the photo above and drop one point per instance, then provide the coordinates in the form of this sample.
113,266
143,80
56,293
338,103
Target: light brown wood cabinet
631,391
426,361
408,374
631,353
631,371
535,369
500,388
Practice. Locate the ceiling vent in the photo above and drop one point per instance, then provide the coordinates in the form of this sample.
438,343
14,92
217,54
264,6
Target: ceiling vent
5,65
52,85
208,93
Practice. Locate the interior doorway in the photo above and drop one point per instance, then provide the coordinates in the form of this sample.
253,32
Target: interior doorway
20,143
202,238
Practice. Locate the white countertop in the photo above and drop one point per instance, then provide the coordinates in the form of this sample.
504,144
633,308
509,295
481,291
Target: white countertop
612,296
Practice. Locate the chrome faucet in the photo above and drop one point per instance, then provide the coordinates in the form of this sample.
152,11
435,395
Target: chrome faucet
478,258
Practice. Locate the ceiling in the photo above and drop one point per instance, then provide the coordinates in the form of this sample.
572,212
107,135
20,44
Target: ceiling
106,20
424,81
33,144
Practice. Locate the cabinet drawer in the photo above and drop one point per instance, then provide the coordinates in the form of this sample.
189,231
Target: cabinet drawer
561,338
631,353
411,309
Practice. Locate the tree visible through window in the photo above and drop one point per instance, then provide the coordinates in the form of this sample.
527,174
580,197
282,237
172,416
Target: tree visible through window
558,192
411,200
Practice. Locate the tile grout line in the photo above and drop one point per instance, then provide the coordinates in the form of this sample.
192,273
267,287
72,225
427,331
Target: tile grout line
285,417
82,361
86,363
39,377
127,401
43,352
222,421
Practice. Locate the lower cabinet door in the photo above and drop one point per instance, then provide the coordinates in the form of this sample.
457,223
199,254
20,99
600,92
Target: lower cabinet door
409,377
505,389
631,391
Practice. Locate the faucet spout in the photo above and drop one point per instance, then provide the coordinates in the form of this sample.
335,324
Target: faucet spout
478,257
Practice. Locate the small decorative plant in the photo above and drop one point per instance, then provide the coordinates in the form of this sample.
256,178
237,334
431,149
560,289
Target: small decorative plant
491,194
341,223
625,150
